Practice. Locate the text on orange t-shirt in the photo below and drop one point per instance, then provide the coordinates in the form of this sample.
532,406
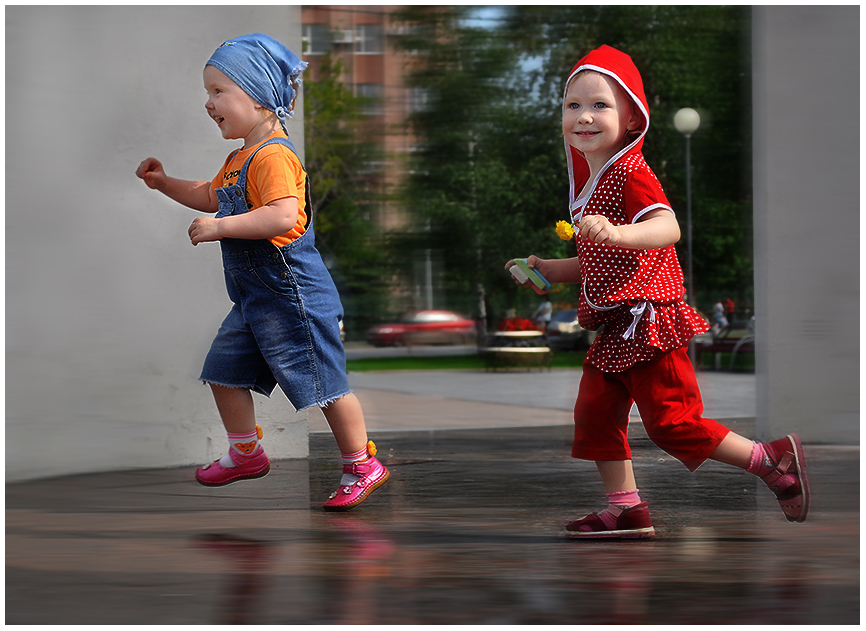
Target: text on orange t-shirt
274,173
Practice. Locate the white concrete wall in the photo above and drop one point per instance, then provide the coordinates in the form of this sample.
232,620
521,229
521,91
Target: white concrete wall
109,309
807,221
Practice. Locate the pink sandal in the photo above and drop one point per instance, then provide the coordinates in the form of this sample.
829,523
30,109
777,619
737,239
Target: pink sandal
256,465
373,475
631,523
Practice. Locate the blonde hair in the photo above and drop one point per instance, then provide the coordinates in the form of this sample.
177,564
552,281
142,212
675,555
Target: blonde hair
271,115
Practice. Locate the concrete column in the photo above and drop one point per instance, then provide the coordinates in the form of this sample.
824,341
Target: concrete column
109,309
807,220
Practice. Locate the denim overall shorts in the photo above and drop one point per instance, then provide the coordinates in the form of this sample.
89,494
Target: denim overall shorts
284,325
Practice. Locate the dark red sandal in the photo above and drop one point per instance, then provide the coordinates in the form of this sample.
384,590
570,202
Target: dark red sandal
788,480
631,523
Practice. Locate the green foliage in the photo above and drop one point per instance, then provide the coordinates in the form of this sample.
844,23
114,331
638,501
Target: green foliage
689,56
488,172
570,359
490,175
336,152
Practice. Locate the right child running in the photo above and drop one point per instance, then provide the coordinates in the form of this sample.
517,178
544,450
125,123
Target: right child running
632,284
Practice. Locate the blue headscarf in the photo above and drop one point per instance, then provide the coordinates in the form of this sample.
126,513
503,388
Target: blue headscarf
264,69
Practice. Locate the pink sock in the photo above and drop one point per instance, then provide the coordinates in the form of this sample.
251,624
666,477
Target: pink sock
618,501
760,463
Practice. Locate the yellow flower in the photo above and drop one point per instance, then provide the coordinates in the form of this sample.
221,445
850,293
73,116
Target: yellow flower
564,230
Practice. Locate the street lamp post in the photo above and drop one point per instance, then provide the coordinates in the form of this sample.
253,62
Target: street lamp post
687,122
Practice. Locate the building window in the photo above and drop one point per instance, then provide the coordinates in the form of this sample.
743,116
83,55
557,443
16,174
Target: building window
315,38
369,39
419,99
372,95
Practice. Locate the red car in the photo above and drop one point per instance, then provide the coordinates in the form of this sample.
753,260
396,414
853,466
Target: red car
424,327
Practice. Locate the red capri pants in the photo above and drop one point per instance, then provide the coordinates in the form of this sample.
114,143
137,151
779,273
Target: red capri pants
669,401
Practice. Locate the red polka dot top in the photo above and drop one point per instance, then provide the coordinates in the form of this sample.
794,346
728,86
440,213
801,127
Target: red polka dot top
637,295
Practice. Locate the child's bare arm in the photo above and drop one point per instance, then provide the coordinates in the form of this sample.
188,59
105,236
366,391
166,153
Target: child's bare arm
554,270
657,229
270,220
196,195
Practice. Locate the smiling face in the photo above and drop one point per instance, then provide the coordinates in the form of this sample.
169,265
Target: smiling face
596,115
234,111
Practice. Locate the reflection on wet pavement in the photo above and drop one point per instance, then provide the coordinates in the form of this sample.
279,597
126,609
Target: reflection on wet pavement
467,532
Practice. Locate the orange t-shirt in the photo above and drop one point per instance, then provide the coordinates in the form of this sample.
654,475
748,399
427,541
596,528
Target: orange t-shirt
274,173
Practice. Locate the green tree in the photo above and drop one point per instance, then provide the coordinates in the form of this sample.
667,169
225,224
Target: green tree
490,178
343,194
485,168
689,56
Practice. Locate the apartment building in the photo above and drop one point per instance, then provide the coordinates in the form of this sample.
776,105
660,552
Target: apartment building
362,38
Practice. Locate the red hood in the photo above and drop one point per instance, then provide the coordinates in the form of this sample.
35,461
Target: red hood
621,68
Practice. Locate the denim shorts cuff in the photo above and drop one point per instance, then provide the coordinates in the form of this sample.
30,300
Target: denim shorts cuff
234,386
326,402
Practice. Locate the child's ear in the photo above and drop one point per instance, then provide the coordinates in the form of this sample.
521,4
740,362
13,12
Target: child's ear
635,121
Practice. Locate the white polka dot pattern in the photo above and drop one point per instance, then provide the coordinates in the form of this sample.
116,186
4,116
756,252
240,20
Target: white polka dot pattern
615,279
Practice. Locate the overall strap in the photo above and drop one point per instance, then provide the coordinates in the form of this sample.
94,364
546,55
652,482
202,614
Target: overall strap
242,178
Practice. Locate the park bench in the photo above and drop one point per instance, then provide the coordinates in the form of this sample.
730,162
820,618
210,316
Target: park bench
724,342
516,349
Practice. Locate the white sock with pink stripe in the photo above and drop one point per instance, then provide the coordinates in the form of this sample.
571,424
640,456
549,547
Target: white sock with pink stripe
244,444
348,478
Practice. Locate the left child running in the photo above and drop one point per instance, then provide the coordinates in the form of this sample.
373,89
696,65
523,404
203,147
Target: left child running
284,325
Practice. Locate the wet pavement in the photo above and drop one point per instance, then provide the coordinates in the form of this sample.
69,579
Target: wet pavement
468,531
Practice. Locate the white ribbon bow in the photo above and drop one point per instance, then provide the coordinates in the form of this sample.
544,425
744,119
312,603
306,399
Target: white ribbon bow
638,311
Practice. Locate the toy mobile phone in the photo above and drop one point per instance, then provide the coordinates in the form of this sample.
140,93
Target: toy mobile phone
522,272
